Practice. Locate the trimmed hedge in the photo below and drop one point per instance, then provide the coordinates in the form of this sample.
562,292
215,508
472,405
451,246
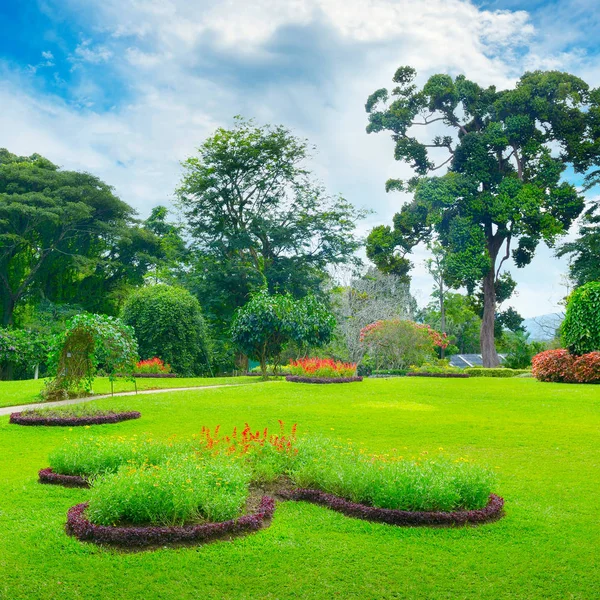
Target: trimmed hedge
499,372
80,527
302,379
389,372
442,375
492,511
22,418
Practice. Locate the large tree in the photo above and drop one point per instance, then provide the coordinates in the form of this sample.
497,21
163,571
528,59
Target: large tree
505,153
584,252
256,216
66,237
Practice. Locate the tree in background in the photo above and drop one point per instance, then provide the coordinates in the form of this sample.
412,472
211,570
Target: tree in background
503,186
263,326
584,252
257,217
65,237
373,296
581,328
168,323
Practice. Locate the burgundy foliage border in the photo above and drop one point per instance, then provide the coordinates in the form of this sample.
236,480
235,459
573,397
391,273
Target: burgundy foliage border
446,375
79,527
302,379
21,418
154,375
490,512
49,476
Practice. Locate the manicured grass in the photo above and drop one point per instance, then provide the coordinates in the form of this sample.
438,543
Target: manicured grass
14,393
542,439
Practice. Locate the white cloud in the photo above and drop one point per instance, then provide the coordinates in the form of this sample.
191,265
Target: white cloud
309,64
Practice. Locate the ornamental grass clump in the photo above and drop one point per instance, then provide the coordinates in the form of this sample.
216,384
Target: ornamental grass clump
322,367
390,481
183,490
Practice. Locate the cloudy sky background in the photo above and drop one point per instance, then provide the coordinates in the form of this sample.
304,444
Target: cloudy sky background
126,89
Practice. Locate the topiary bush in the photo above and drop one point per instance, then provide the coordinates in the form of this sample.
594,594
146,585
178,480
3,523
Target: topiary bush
168,324
581,328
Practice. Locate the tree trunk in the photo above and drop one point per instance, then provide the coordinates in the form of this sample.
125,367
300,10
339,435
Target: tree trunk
487,341
442,314
8,308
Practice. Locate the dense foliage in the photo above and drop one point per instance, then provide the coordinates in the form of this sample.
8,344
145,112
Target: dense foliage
584,252
65,237
168,324
581,328
399,344
88,343
21,350
257,217
263,326
504,182
563,367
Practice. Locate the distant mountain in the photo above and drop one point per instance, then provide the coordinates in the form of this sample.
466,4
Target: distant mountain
544,327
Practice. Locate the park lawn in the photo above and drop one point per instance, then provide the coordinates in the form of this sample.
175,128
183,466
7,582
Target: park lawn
13,393
542,439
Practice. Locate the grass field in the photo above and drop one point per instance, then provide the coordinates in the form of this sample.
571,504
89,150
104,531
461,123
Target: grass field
26,392
543,440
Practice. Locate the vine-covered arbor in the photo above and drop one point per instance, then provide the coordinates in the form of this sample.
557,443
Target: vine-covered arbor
88,343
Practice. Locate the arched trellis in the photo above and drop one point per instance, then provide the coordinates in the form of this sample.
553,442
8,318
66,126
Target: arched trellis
90,341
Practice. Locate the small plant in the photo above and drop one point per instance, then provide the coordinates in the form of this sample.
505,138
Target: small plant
322,367
152,365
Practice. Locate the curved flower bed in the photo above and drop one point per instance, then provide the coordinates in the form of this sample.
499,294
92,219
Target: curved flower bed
490,512
22,418
446,375
49,476
302,379
79,527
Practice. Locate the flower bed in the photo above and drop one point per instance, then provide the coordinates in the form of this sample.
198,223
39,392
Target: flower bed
302,379
455,375
321,368
50,477
56,419
80,527
154,375
492,511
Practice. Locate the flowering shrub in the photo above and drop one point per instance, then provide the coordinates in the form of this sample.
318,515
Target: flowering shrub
563,367
322,367
399,344
152,365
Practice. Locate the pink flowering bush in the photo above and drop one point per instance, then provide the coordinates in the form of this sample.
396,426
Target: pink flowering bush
563,367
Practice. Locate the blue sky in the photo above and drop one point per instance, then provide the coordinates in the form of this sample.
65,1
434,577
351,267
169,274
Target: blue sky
128,88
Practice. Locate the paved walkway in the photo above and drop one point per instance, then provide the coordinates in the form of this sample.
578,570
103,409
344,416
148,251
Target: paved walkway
10,409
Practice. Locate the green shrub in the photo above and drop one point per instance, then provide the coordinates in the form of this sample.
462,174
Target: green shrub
489,372
184,489
390,482
168,324
389,371
439,366
581,328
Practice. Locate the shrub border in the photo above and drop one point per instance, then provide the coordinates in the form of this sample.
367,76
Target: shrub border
443,375
302,379
48,476
490,512
80,527
20,418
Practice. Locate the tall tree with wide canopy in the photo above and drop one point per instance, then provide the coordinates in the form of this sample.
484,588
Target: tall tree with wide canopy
65,236
257,217
503,193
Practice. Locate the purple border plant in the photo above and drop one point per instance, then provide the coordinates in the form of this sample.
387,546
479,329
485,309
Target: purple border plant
490,512
80,527
443,375
21,418
301,379
48,476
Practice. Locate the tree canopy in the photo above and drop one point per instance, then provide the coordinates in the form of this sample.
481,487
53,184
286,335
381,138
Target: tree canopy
257,217
503,192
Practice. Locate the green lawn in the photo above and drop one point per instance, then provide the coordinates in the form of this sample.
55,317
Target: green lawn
543,440
13,393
